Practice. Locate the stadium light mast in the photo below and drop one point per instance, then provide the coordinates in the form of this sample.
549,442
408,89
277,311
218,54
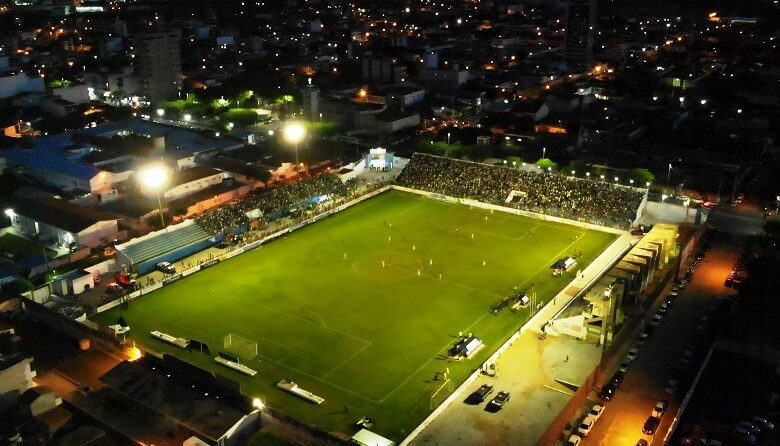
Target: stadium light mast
154,177
293,133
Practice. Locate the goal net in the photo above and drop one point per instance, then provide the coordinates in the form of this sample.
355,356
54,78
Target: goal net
242,347
440,393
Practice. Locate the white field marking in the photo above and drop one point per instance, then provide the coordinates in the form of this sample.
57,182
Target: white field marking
346,360
425,364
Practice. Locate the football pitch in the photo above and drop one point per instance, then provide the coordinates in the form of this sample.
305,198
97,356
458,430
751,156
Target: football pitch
361,307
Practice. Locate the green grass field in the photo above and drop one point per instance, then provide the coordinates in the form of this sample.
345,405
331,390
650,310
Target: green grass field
369,339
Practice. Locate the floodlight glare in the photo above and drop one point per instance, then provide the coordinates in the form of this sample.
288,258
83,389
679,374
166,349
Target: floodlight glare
153,176
293,133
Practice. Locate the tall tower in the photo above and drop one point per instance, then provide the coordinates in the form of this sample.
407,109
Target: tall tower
159,64
580,19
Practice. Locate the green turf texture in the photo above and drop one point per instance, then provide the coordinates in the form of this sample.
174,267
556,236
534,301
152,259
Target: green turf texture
367,338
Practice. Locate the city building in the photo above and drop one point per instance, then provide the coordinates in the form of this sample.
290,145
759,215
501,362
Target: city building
580,19
64,223
159,64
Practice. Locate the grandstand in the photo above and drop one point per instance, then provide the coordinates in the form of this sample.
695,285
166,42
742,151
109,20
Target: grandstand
591,201
167,245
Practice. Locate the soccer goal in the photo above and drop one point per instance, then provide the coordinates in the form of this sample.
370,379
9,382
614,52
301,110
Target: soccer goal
439,395
242,347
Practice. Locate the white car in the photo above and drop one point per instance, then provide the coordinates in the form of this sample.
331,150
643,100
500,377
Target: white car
659,408
586,426
596,411
632,354
574,440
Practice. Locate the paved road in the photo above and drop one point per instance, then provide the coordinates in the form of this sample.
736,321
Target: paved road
645,381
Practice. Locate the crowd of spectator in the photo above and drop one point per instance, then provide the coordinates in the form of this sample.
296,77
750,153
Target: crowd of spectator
568,197
272,202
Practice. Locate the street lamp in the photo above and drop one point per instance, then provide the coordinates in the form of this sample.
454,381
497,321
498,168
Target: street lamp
448,138
154,177
161,112
668,174
544,151
293,133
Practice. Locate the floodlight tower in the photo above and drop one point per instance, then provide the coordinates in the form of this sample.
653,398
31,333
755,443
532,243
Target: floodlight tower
154,177
294,133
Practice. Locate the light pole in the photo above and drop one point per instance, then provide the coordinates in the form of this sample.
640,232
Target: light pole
777,208
448,138
293,133
154,177
544,151
668,174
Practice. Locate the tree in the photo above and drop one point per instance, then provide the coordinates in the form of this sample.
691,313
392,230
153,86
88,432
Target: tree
641,177
17,286
578,167
546,164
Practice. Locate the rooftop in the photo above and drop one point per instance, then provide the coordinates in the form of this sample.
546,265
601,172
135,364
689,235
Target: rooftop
62,214
172,394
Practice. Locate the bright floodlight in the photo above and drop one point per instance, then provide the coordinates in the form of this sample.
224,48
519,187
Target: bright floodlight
160,112
10,212
187,117
258,404
153,177
293,133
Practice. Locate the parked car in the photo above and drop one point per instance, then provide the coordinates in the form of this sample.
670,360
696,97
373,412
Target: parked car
640,341
663,308
669,301
608,391
165,267
750,427
632,354
113,288
574,440
660,407
641,442
499,400
744,434
480,394
712,442
763,423
617,378
671,386
687,357
586,426
656,321
596,411
651,424
623,368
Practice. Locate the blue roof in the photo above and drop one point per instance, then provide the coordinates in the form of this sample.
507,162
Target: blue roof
50,162
183,141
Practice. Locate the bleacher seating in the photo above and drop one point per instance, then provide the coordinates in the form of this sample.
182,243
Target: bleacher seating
145,248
